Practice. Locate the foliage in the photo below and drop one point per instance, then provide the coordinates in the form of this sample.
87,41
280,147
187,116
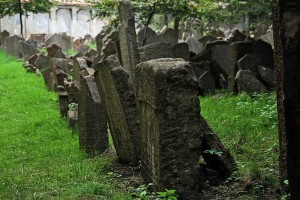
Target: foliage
205,11
40,158
248,128
11,7
167,195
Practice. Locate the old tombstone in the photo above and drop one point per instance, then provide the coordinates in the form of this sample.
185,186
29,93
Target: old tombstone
220,58
144,34
3,35
79,65
207,38
194,46
59,54
119,101
170,36
247,82
12,46
265,50
92,120
63,41
181,50
44,65
267,75
155,50
236,51
63,100
26,50
60,69
99,42
32,59
127,36
236,36
173,134
52,50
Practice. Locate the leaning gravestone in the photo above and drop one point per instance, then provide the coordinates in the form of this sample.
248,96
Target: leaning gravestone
194,46
127,36
26,49
236,51
144,34
52,50
173,134
99,42
119,101
43,64
247,82
92,121
181,50
61,40
62,100
12,46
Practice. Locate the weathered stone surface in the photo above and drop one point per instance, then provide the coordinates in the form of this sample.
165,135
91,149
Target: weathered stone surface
3,35
73,88
60,69
127,37
99,43
265,50
236,51
247,82
26,50
120,104
52,50
79,65
181,50
267,75
173,133
92,120
62,100
91,53
43,64
59,54
194,46
61,40
155,50
83,49
32,59
236,36
143,35
205,55
220,58
207,38
12,46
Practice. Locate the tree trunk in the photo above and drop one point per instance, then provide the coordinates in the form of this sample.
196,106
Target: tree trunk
21,13
176,25
286,25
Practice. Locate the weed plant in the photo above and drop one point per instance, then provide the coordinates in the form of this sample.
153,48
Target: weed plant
40,158
248,128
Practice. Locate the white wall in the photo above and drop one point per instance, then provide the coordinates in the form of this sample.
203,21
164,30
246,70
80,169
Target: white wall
76,22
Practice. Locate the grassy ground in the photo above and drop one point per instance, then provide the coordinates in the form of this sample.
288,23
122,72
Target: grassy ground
39,156
248,127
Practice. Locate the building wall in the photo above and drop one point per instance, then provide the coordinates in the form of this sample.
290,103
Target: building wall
74,21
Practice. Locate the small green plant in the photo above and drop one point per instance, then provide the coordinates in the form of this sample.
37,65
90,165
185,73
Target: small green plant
213,152
167,195
71,106
142,192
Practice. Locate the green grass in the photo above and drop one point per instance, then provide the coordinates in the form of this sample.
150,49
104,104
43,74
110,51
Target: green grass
40,158
248,128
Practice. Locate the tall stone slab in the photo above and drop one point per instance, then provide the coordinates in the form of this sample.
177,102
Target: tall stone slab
92,120
12,46
236,51
119,101
99,42
174,135
127,37
3,35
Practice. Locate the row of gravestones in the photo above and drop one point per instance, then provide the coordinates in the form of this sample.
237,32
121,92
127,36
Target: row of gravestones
157,121
147,97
